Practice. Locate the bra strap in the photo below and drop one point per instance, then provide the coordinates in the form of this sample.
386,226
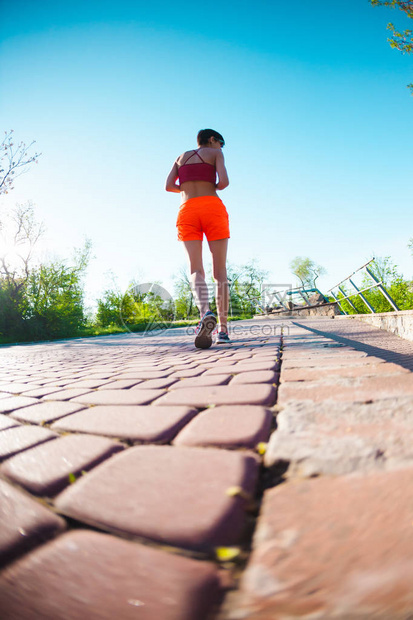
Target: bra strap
191,155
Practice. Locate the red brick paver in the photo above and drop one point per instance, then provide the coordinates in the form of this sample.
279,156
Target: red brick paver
46,469
318,438
16,439
135,423
257,376
366,370
228,426
119,397
337,389
170,495
202,381
253,394
45,411
7,422
90,575
334,548
24,522
17,388
15,402
218,446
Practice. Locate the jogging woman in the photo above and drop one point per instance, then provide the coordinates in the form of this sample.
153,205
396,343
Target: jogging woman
202,211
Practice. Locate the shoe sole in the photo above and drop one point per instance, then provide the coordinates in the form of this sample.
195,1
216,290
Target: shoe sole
203,339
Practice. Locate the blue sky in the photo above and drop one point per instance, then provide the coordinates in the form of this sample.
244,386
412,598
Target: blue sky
309,96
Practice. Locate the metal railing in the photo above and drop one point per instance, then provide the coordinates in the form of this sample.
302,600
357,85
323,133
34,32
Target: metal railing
359,292
286,298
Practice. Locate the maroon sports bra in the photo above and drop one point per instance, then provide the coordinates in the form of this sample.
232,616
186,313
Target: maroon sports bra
196,172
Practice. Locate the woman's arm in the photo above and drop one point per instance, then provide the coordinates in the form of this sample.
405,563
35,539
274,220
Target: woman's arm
222,171
171,185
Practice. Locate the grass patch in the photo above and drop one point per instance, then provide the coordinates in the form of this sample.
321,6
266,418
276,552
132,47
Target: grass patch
90,331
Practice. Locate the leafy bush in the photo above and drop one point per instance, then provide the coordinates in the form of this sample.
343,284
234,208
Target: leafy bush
45,302
133,308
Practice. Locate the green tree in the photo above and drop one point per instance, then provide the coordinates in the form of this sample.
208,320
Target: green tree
401,40
54,297
184,301
19,235
306,270
139,305
37,300
153,304
245,286
109,308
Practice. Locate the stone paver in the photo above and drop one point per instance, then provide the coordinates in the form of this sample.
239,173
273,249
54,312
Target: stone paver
252,394
119,397
242,426
217,363
177,496
182,374
365,338
6,421
156,384
258,376
135,423
201,381
17,388
333,351
45,411
333,548
87,383
15,402
45,469
316,438
144,374
24,522
330,546
16,439
43,391
247,366
367,370
121,384
220,369
343,389
67,394
324,362
84,575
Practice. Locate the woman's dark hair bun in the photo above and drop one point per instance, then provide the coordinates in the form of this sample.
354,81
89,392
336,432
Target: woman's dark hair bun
205,134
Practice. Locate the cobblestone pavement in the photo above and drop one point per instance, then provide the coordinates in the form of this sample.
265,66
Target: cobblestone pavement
271,478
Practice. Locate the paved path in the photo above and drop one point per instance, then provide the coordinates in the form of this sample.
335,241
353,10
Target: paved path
142,478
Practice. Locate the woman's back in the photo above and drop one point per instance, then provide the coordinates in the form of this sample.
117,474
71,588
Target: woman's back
204,153
200,171
197,172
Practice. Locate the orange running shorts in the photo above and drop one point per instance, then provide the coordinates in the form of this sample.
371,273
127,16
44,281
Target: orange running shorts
204,214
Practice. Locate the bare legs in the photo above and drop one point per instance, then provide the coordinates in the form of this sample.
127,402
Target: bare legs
219,267
198,284
199,287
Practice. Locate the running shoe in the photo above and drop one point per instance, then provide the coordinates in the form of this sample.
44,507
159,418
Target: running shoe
222,338
203,338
